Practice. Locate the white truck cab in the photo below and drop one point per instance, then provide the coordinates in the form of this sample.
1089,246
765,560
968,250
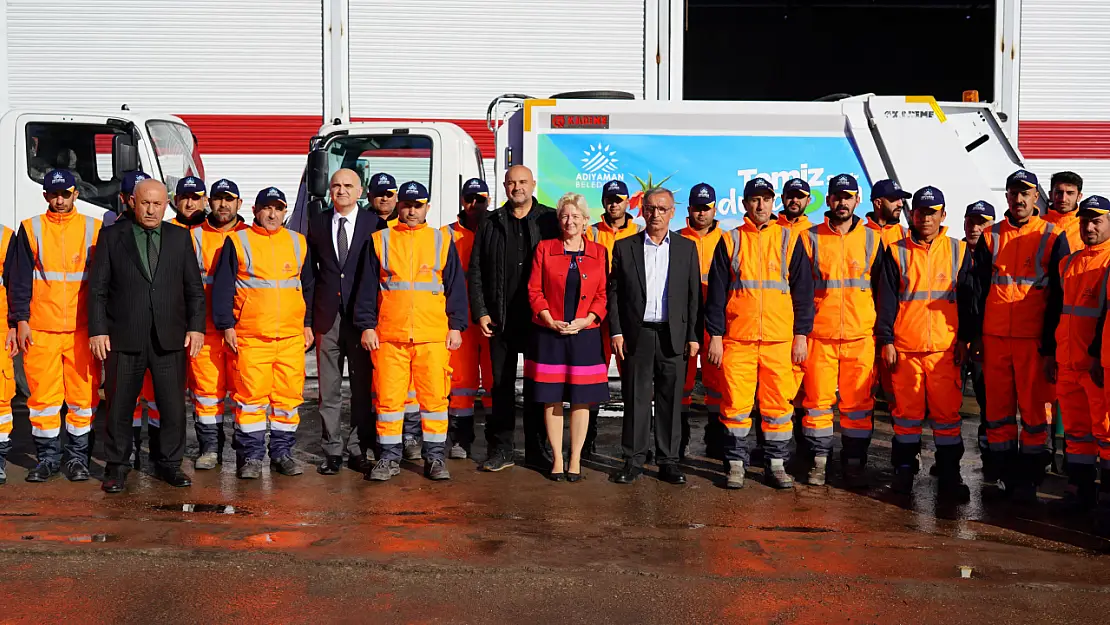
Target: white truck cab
98,147
439,155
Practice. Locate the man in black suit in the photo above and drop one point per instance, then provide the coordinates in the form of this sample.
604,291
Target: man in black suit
337,241
654,300
146,312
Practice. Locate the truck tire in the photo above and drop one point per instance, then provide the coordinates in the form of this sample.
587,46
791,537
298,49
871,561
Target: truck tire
594,95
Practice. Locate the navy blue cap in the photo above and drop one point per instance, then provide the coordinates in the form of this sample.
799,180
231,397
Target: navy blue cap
1021,179
1095,204
757,186
843,183
381,183
223,185
982,208
130,179
796,185
615,188
413,191
269,195
59,180
889,189
475,186
702,194
189,184
928,197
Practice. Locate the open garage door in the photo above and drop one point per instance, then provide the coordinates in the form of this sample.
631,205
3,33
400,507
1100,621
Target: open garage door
798,50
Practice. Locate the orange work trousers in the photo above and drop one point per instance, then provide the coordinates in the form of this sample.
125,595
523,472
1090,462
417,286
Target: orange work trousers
470,366
927,382
847,366
60,369
7,391
425,365
710,379
212,375
749,368
269,383
1015,382
1083,410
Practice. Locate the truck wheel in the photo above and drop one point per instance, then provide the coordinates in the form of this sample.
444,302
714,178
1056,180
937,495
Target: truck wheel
594,95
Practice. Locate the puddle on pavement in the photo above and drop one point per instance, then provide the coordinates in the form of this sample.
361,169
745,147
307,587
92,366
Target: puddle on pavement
796,528
77,538
201,508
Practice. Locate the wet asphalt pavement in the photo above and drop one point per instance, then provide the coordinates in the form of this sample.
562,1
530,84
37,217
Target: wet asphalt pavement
514,547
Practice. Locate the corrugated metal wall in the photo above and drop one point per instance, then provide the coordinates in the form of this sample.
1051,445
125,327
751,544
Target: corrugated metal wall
1064,89
447,59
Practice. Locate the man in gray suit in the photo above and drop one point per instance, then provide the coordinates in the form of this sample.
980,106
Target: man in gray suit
654,301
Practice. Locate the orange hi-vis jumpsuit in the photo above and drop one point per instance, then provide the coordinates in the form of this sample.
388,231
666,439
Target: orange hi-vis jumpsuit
760,295
923,293
797,226
1067,225
54,253
1079,291
418,273
1013,321
7,366
842,343
710,374
212,372
269,309
468,361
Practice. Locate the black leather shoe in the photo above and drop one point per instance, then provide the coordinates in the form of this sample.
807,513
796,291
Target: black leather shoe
114,481
174,477
627,475
671,474
76,471
42,472
330,465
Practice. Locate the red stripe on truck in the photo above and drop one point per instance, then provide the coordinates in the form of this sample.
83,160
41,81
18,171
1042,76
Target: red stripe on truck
1064,139
289,134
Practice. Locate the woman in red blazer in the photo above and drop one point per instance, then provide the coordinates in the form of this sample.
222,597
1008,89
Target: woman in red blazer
567,293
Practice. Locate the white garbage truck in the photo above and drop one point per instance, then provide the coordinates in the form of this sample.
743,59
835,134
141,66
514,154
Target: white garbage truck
576,144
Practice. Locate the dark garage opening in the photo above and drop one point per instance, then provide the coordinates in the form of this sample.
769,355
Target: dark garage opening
795,50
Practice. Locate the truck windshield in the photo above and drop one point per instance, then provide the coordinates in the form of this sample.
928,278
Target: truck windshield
176,150
405,157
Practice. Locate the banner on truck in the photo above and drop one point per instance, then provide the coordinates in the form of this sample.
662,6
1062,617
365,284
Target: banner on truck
583,163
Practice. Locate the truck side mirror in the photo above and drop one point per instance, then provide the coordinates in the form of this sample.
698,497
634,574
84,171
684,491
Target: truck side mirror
125,156
318,173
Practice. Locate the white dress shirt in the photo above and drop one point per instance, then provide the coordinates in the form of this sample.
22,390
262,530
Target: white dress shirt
349,227
657,262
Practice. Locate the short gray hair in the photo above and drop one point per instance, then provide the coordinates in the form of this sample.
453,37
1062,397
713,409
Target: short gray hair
658,191
576,201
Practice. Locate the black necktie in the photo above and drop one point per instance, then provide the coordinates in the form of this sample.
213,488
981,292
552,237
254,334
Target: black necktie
342,240
151,253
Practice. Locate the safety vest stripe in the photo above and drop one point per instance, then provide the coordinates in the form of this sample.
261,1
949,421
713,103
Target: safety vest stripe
784,267
737,284
595,231
439,249
405,285
198,238
1039,276
254,282
248,262
261,283
847,283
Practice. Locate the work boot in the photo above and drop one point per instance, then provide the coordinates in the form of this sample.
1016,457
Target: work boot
5,447
286,465
436,470
384,470
3,476
458,452
76,471
498,460
207,461
903,480
412,450
735,474
816,475
776,475
951,488
854,473
251,469
43,471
